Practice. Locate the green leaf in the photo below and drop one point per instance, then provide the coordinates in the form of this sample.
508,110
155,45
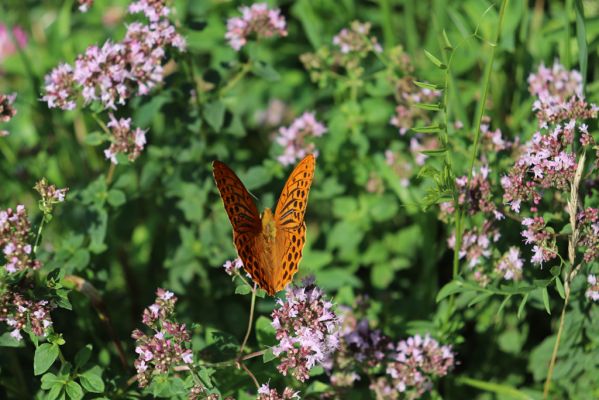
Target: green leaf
435,60
434,152
48,380
545,295
446,41
243,289
116,197
95,138
74,391
450,288
500,389
55,391
268,356
480,297
44,357
381,275
214,114
82,356
522,304
91,380
428,129
8,341
265,71
427,106
426,85
503,304
560,287
265,333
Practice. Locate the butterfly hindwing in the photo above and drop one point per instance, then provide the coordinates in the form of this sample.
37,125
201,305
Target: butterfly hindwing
244,217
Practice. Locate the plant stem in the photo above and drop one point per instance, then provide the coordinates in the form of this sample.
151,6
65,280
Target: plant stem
39,234
110,174
569,275
245,68
250,323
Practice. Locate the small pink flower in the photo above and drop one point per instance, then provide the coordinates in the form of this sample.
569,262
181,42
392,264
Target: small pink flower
295,139
258,19
7,45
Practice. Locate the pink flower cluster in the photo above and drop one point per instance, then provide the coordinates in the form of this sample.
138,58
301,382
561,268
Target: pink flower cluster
492,140
114,72
7,46
559,95
265,392
7,111
418,144
547,160
476,243
415,362
295,138
232,266
154,10
167,346
307,329
478,198
124,139
409,94
588,225
20,313
592,293
546,163
356,39
258,19
14,240
50,195
510,265
543,241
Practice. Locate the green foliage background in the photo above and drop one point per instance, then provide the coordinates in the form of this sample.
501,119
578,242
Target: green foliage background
160,222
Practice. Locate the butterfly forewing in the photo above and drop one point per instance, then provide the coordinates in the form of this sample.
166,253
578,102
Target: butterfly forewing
291,207
289,216
244,217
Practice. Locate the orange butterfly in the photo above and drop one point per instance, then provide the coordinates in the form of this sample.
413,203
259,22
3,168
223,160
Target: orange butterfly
270,246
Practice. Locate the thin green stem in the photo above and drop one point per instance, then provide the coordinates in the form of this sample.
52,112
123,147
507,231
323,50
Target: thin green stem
245,68
39,234
483,99
250,323
388,30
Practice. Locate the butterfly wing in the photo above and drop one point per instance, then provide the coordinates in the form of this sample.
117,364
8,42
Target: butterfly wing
244,217
289,217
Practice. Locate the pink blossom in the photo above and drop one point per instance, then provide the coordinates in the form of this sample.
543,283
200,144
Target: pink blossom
124,139
154,10
306,328
592,292
258,19
265,392
232,266
7,45
19,312
15,233
85,5
296,139
356,39
510,265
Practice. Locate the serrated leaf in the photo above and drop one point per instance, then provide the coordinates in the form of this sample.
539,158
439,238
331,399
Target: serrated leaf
435,60
44,357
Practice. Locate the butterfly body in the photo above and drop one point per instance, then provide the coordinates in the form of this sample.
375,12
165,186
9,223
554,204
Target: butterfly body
269,245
